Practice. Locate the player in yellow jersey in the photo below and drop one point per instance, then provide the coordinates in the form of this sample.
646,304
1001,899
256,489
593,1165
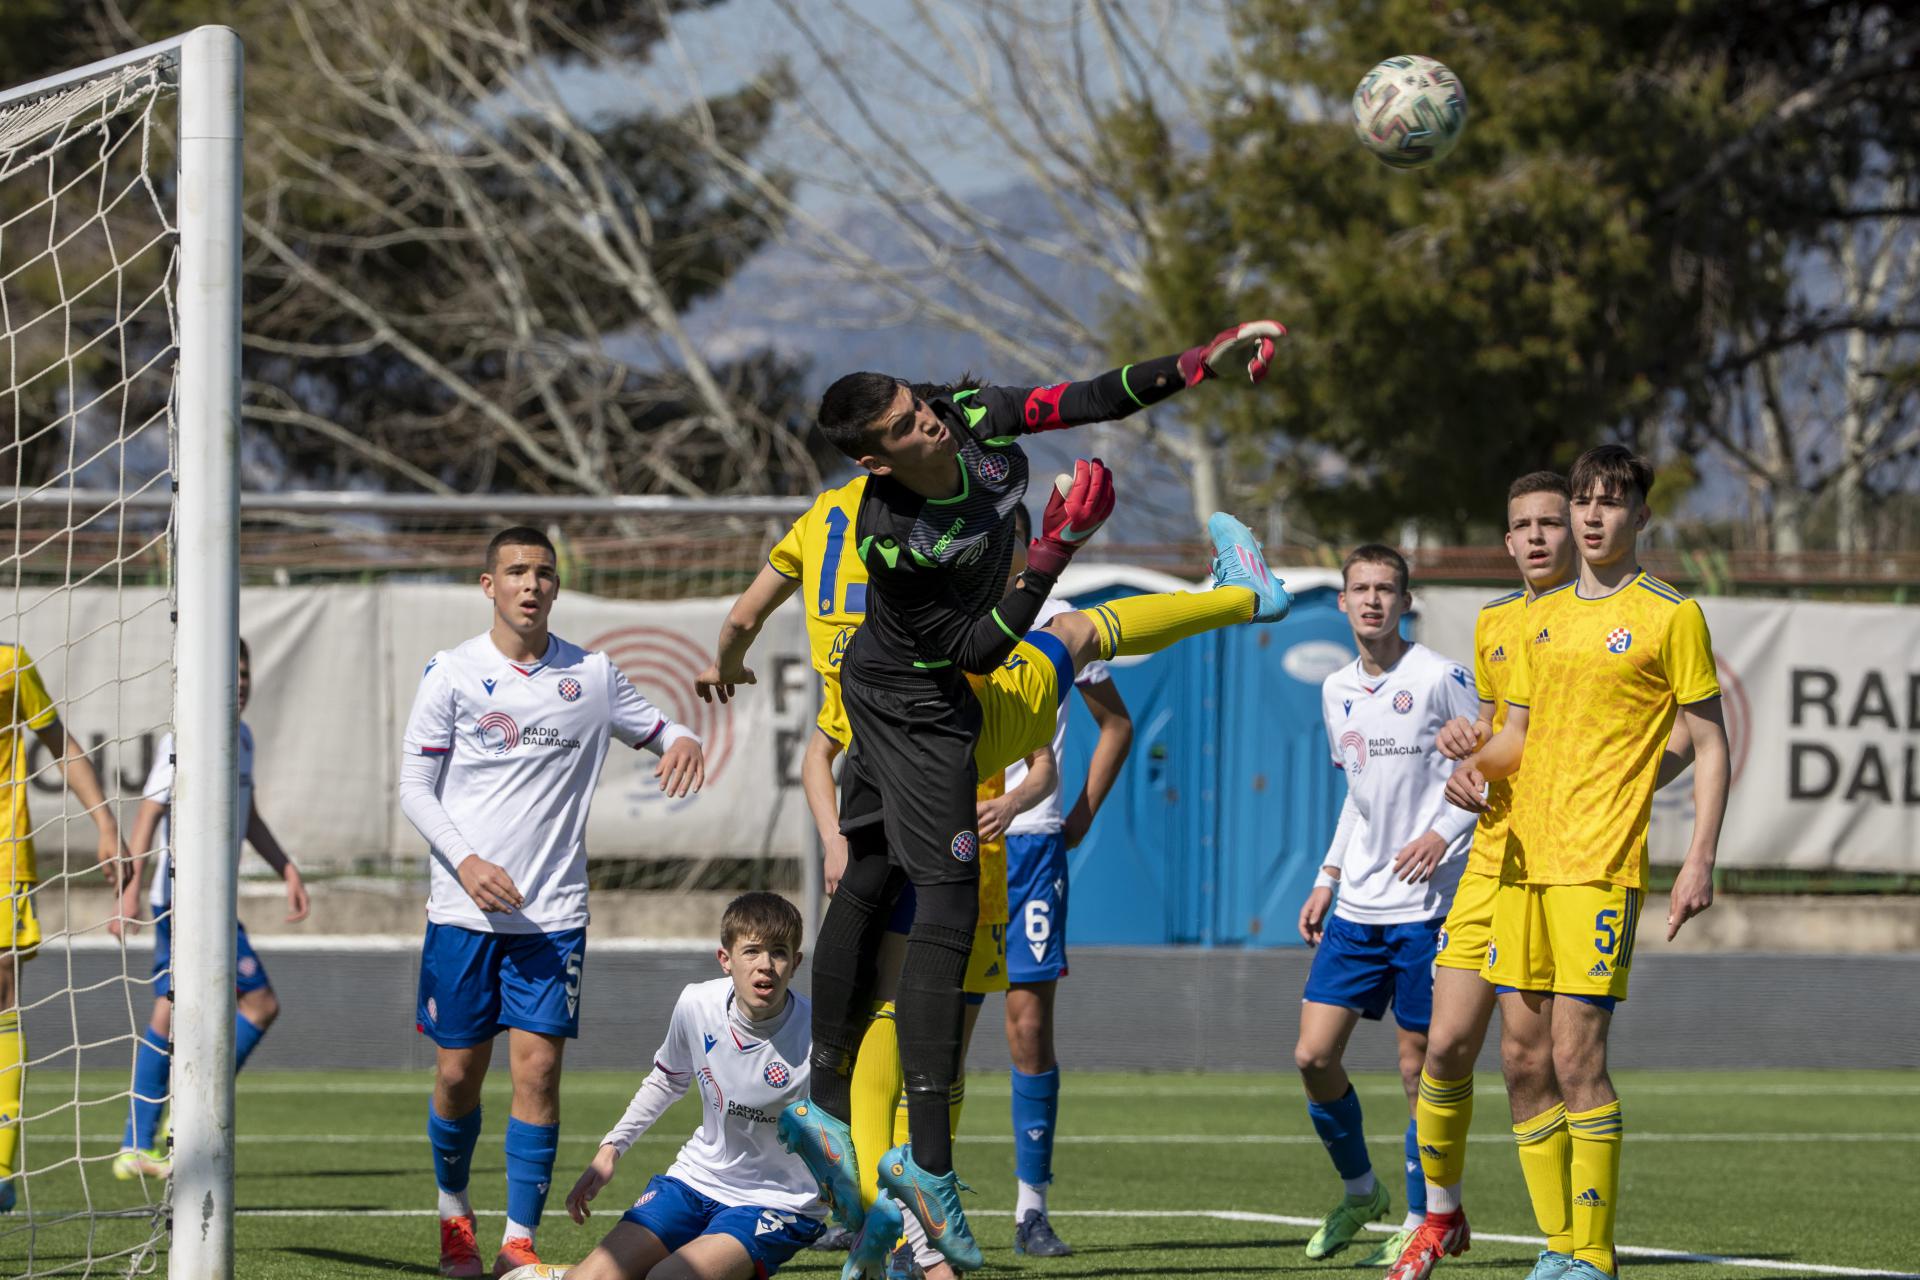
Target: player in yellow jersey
1539,540
28,708
1606,666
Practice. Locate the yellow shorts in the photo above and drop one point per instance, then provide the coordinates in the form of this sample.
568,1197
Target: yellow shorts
987,967
1468,933
1019,701
1569,939
19,927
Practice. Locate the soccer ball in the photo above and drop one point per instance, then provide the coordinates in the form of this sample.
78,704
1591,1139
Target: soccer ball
1409,111
537,1271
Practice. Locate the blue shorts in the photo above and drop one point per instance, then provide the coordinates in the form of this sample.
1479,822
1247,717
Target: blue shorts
678,1214
1037,907
1364,966
474,985
249,973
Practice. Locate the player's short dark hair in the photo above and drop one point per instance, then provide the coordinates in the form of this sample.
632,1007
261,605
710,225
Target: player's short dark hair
765,917
1617,471
520,535
1539,482
246,654
852,409
1022,524
1376,553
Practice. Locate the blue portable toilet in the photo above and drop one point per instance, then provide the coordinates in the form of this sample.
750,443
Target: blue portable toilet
1217,824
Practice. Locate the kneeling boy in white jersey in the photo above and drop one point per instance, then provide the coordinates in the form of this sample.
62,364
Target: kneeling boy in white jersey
734,1204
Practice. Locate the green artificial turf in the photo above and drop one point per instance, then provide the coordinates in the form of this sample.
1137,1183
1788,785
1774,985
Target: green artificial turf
1156,1175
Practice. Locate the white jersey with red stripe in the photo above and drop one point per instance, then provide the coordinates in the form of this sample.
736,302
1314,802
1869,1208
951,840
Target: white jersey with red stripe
746,1074
524,745
1381,731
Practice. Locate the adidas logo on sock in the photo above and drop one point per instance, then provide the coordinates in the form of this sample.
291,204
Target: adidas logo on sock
1590,1199
1430,1150
1599,970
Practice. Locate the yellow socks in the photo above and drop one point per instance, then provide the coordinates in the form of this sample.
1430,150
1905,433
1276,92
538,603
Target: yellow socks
878,1087
1148,624
1595,1167
1546,1163
956,1102
12,1054
1442,1117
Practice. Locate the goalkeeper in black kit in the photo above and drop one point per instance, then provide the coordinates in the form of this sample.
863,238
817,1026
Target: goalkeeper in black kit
935,532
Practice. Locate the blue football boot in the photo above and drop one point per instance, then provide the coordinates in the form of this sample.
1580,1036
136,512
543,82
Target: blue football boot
1238,561
826,1146
935,1201
1550,1265
867,1259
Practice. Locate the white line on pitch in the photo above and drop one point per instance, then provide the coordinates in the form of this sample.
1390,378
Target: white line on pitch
1099,1139
1146,1088
1236,1215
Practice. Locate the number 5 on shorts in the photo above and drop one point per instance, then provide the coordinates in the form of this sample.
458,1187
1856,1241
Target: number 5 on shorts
1606,937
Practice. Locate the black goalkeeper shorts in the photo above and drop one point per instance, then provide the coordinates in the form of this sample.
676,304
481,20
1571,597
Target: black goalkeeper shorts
911,771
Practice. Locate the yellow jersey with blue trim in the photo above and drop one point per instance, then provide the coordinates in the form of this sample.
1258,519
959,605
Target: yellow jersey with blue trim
818,553
1602,681
1497,634
27,707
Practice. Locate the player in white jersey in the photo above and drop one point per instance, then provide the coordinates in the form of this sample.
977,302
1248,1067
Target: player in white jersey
504,746
733,1205
1396,857
1037,843
257,1006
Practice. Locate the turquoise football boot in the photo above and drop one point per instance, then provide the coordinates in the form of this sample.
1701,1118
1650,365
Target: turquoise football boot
1238,561
935,1202
867,1259
825,1145
1550,1266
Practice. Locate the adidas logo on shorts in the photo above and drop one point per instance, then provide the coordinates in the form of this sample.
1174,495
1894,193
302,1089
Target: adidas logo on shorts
1599,970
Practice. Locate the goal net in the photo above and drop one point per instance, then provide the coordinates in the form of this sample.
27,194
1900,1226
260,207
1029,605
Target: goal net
118,336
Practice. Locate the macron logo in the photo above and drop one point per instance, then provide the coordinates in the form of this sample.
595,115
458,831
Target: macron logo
710,1043
488,685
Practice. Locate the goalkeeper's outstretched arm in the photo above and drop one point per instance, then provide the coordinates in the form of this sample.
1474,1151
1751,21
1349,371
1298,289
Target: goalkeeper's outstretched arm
1002,412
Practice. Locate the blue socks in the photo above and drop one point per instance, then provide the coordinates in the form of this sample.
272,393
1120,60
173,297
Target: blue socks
1338,1124
1036,1103
530,1153
151,1068
245,1037
1416,1177
453,1143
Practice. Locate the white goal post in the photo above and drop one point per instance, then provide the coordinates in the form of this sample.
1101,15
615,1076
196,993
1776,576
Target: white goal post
60,142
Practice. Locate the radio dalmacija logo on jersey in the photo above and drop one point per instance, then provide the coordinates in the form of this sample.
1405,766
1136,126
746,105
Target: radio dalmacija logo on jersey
499,733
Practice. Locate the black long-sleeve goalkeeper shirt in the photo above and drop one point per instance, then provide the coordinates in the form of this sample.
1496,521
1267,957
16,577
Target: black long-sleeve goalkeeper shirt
937,567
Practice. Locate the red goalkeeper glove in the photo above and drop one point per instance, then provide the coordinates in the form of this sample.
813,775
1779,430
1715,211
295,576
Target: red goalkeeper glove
1250,343
1076,510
